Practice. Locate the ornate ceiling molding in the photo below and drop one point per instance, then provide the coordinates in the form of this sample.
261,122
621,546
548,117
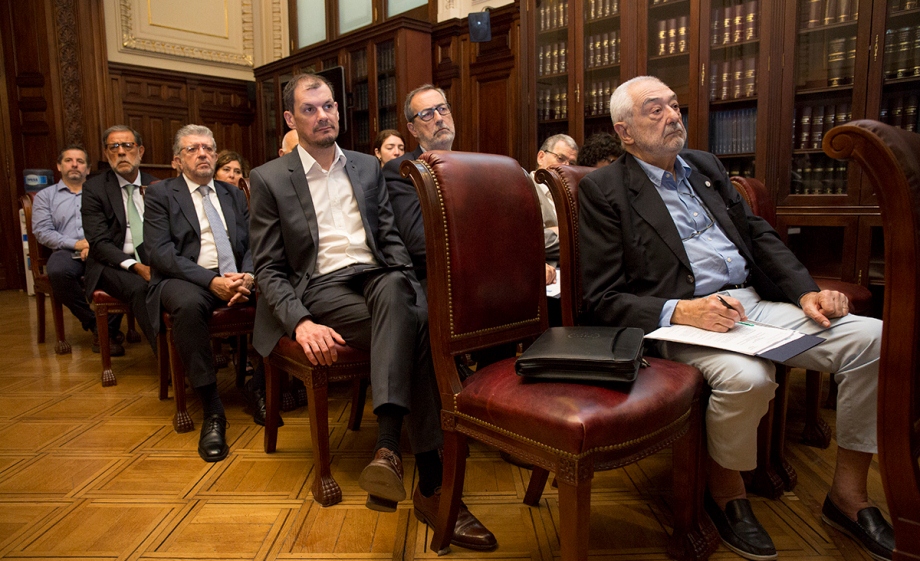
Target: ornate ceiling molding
130,41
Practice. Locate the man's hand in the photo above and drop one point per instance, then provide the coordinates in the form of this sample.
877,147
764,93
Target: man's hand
317,342
81,245
821,306
243,290
550,274
142,270
227,286
709,313
84,253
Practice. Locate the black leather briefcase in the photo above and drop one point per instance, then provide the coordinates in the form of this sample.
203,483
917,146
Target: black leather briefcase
583,354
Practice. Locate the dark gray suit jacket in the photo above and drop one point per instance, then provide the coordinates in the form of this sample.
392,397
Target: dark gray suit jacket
172,235
407,210
632,258
285,237
104,225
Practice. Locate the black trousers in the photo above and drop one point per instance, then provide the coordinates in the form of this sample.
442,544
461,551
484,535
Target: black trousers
378,312
131,288
66,276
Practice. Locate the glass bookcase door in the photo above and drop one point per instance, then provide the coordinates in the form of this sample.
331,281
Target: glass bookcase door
669,45
554,60
901,66
734,54
360,106
602,72
826,41
388,116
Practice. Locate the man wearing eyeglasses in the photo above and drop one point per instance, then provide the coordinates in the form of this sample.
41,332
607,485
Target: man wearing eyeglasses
432,125
666,239
561,150
197,233
113,211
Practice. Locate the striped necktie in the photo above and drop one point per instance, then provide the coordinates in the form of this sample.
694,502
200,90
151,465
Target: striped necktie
225,259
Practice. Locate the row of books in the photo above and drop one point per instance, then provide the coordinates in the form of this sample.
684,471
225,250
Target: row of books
900,111
597,97
553,15
732,132
811,122
902,52
389,119
672,36
818,13
733,79
739,167
735,23
819,175
603,49
359,65
553,58
386,58
386,90
830,63
362,130
552,103
598,9
895,6
360,102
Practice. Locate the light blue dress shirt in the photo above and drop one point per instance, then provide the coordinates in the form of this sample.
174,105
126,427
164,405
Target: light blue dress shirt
57,221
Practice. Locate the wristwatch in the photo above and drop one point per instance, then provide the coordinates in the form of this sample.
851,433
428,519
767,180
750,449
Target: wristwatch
251,277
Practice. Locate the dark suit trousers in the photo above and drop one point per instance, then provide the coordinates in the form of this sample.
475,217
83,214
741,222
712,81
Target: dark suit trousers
377,312
66,276
131,288
191,307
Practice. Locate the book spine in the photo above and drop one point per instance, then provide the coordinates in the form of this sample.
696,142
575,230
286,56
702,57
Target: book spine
750,76
715,27
916,51
903,66
843,11
738,24
682,24
614,47
830,12
817,127
605,49
910,114
836,53
728,16
563,57
805,127
814,9
672,36
750,20
662,37
737,78
726,80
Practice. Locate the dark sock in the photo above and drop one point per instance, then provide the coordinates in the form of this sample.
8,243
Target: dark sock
210,400
389,426
430,470
258,376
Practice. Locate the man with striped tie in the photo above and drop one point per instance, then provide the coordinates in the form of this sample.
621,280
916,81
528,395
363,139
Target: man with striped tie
196,231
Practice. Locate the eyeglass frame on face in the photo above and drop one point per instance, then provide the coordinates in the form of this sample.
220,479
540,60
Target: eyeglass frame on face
712,222
561,159
441,109
195,148
113,147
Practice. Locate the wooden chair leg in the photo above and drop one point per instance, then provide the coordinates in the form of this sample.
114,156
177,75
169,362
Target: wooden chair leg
455,452
242,352
325,489
778,443
61,347
574,514
831,402
163,364
535,488
181,421
358,399
105,349
40,315
816,433
288,401
132,336
272,404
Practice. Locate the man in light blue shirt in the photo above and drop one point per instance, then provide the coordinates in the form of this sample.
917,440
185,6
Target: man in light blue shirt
58,224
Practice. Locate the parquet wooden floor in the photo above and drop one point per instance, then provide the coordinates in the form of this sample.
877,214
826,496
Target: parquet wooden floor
89,473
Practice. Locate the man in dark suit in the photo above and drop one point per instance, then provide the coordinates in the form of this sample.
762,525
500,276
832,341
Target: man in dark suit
667,240
332,269
197,236
113,210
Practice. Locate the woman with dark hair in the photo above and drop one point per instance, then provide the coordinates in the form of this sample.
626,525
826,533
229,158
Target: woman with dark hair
390,144
231,167
600,150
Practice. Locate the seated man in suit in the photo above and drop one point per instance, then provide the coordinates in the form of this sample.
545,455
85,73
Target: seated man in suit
113,211
332,269
667,240
197,235
58,225
559,149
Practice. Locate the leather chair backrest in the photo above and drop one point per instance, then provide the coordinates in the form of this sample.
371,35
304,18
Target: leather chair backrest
244,187
891,159
485,254
757,197
38,254
563,185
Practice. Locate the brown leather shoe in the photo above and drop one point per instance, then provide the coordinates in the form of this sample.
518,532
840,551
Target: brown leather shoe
383,480
468,531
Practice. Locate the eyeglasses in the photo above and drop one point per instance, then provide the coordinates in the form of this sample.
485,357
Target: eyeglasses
113,148
696,233
428,114
561,159
194,148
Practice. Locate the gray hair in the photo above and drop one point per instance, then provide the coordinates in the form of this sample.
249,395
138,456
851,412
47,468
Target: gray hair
551,142
121,128
190,130
407,107
622,103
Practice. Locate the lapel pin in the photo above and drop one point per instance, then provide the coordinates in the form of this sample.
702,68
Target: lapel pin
708,184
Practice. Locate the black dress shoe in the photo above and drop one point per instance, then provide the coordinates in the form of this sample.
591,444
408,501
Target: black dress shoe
739,529
256,398
469,532
212,445
115,348
870,529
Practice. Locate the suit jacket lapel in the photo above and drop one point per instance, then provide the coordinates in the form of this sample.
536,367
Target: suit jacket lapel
649,205
302,190
116,200
181,193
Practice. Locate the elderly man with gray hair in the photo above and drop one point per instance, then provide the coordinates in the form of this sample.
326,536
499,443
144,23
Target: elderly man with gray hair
559,149
196,231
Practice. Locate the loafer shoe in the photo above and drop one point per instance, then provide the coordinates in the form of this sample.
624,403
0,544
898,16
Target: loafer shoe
739,529
212,444
469,532
115,347
870,528
383,480
256,398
